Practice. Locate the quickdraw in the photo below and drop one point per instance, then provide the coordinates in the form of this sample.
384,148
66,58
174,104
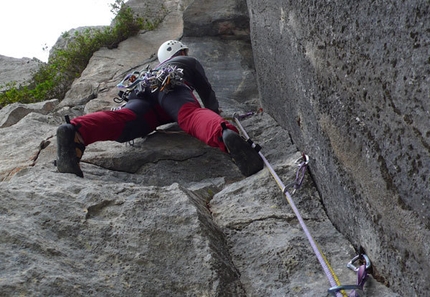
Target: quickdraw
302,164
358,289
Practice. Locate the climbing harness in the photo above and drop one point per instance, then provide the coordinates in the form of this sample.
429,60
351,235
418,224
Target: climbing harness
336,288
162,79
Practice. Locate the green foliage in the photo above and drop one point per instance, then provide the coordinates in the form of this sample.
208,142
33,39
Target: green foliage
53,79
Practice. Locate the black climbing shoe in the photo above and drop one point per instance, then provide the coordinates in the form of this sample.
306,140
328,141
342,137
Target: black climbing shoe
69,150
246,158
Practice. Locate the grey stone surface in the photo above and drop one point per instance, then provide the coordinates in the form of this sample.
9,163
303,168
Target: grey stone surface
168,216
226,19
13,113
19,71
350,82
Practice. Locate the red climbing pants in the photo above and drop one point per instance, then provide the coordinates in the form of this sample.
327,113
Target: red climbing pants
204,124
141,115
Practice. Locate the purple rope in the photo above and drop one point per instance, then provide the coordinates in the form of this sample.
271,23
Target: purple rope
297,213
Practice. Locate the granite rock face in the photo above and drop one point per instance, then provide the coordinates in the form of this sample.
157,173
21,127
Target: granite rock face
17,71
168,215
350,82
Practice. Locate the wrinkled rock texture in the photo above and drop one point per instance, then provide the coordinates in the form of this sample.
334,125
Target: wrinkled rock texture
168,215
350,82
19,71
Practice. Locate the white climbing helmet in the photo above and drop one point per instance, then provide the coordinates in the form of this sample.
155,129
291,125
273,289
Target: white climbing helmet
169,49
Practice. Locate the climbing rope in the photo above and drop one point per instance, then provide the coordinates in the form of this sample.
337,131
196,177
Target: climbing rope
336,288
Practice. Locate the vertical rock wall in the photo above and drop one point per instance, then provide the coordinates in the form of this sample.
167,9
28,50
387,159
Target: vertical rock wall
350,81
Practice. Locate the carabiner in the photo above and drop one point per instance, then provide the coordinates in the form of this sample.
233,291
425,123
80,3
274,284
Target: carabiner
303,160
351,265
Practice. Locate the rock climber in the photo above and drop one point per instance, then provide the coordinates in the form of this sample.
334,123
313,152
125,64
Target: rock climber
145,110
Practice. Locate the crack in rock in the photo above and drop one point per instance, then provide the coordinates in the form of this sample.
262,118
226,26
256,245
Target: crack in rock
239,226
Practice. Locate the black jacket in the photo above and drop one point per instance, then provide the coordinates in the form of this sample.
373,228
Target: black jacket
195,77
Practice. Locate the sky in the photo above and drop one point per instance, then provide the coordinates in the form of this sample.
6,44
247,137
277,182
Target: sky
27,26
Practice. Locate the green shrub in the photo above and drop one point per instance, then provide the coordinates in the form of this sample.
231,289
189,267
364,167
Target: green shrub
54,78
